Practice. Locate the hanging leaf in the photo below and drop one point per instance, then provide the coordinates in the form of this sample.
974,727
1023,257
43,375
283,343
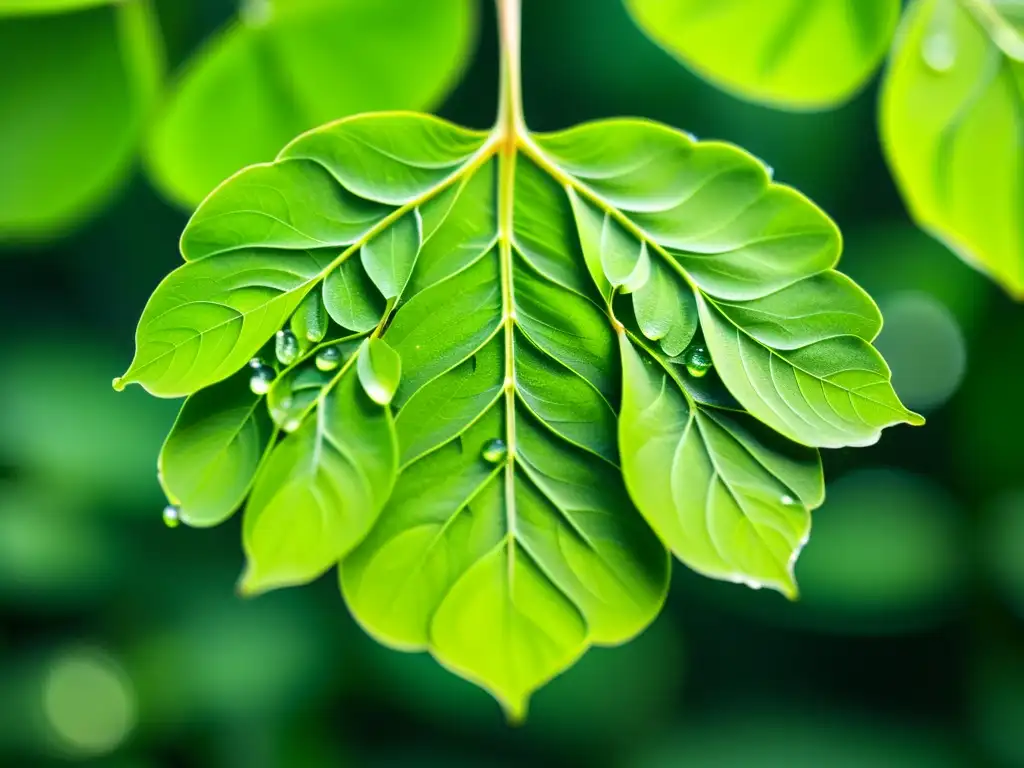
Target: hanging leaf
76,93
596,345
285,66
795,55
951,122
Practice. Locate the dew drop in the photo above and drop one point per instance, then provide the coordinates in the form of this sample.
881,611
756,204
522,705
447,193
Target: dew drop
698,361
291,425
939,51
286,347
494,451
172,516
256,363
328,358
787,500
261,380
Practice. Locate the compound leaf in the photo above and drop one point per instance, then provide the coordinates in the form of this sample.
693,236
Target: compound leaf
272,75
952,117
502,466
793,54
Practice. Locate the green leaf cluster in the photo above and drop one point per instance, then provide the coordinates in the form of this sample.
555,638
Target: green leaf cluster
497,378
952,96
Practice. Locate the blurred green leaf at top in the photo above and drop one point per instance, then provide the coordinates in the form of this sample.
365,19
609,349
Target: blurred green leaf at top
286,66
75,94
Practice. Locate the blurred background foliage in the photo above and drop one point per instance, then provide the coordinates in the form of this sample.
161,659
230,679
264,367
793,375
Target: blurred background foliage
122,643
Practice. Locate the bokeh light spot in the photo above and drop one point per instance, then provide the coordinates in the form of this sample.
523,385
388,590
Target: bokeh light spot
89,703
925,349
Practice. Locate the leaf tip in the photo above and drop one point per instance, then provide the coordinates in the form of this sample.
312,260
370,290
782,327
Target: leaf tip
119,384
515,709
915,419
249,584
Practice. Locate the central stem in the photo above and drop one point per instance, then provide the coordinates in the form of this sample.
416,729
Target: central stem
509,129
510,106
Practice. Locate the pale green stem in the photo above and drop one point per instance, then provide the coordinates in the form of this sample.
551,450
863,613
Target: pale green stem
510,107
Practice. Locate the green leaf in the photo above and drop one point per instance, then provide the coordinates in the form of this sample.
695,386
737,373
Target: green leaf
791,54
35,7
321,488
536,311
380,371
210,457
265,79
98,70
951,122
309,323
731,499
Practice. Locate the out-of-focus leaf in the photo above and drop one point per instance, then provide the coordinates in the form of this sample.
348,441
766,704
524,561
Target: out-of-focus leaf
952,116
293,66
808,54
75,95
34,7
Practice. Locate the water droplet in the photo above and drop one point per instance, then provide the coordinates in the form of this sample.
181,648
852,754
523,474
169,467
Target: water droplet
787,500
261,380
286,347
494,451
256,363
939,51
291,425
698,361
328,358
172,516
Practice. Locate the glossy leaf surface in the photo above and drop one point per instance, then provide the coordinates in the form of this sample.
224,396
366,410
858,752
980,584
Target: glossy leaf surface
795,54
952,119
267,77
534,418
58,67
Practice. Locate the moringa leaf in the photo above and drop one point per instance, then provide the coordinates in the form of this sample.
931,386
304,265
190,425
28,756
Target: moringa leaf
98,69
790,54
321,488
729,503
210,457
951,123
290,66
537,314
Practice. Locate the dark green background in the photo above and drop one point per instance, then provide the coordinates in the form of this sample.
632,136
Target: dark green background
907,649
